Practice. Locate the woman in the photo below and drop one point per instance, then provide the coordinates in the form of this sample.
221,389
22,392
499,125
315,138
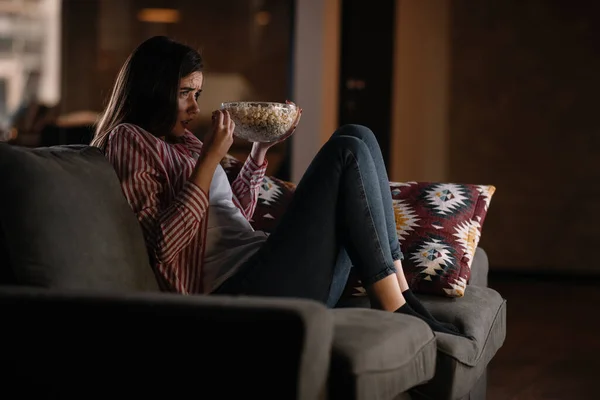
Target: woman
196,225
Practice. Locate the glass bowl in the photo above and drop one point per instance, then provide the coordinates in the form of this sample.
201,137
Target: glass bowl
264,122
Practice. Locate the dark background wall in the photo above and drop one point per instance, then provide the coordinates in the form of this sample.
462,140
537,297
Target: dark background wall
525,82
98,35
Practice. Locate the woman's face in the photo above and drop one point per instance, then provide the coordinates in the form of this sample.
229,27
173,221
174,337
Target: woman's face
190,88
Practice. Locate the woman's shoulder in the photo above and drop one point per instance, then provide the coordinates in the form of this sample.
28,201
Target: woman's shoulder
129,130
134,137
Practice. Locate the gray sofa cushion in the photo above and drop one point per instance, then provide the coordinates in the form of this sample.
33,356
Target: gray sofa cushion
378,354
162,346
66,223
481,313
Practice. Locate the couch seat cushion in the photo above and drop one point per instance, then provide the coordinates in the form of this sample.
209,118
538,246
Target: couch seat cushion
378,354
481,313
66,223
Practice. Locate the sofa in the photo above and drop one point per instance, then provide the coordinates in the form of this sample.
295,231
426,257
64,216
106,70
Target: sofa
82,314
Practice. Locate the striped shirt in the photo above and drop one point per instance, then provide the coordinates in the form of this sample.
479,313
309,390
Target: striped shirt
171,209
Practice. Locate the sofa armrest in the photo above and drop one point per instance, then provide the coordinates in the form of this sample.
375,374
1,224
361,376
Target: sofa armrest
70,343
480,268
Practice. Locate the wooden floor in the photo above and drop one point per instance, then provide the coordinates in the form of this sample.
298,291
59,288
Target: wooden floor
552,348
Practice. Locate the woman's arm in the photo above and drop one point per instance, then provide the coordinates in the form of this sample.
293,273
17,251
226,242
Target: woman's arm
168,227
246,186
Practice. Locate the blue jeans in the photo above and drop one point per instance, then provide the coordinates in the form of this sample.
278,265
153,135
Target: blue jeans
340,217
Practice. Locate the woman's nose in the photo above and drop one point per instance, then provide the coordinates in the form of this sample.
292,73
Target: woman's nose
193,108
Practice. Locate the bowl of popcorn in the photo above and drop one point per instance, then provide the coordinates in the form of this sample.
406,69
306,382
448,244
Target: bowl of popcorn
264,122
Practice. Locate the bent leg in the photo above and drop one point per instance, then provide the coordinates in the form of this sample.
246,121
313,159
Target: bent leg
368,138
366,135
337,204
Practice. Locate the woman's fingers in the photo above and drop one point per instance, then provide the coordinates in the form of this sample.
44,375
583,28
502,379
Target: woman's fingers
231,125
226,119
220,118
298,117
296,122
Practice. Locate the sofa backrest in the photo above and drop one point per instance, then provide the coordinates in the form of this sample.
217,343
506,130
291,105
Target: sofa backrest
65,222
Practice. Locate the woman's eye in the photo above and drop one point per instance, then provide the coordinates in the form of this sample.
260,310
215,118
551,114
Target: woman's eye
183,94
197,95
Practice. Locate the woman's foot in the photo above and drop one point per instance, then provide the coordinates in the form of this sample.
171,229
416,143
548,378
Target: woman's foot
417,306
450,326
433,324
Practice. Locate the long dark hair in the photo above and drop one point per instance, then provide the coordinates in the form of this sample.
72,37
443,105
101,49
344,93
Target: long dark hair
146,90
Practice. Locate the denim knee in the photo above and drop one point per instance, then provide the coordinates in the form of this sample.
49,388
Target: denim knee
347,144
359,131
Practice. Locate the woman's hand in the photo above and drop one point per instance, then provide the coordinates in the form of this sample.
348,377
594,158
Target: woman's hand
219,141
259,150
214,149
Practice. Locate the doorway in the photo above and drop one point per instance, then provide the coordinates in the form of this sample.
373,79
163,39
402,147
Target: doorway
366,67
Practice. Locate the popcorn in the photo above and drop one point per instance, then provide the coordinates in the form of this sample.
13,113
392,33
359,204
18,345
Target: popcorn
261,121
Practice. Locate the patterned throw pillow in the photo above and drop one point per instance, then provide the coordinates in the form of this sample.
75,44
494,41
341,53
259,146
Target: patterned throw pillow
439,227
273,197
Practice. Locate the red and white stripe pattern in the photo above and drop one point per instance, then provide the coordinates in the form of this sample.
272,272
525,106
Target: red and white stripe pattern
172,210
